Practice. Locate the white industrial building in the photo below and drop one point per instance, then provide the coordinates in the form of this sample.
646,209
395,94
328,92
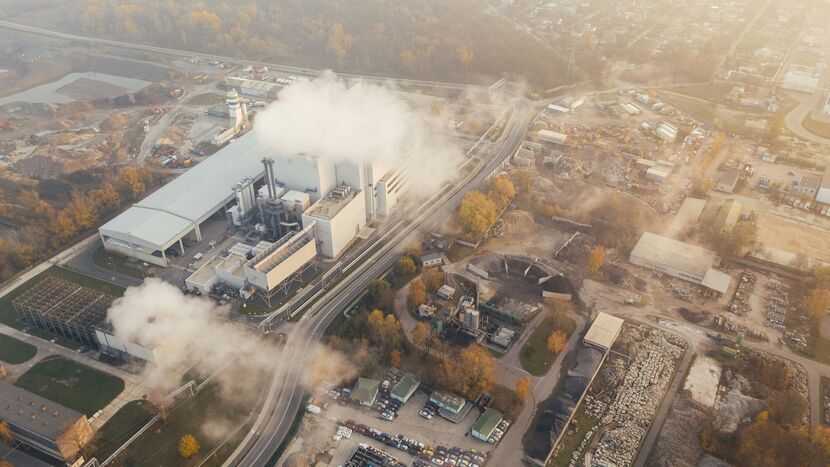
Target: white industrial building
678,259
121,349
823,194
229,180
552,137
603,331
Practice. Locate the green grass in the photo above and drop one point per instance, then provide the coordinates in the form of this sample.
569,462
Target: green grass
534,355
121,427
816,127
570,442
207,99
8,315
117,263
458,252
71,384
15,351
188,417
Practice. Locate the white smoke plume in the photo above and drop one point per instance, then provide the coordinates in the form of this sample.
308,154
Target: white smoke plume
187,335
327,119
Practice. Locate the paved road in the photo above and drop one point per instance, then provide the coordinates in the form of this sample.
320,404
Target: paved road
82,261
795,119
286,388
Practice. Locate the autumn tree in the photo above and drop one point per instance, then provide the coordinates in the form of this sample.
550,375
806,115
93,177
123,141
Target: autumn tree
417,294
131,179
395,358
596,258
786,408
5,432
465,55
557,340
62,226
405,266
375,323
81,211
391,331
524,181
817,303
501,190
188,446
339,42
473,371
433,278
420,336
414,249
477,214
105,197
523,387
409,60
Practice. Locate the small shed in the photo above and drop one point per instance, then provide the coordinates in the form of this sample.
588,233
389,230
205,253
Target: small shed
486,424
405,388
365,391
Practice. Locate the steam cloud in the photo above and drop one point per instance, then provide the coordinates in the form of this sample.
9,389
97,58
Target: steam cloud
186,333
364,123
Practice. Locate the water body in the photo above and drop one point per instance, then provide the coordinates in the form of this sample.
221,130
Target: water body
48,93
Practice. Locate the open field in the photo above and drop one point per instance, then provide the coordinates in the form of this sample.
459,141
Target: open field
816,127
535,357
793,236
15,351
71,384
121,427
8,315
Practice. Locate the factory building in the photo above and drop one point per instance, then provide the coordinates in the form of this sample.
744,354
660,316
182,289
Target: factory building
120,349
685,261
43,425
405,388
603,331
339,217
486,425
727,181
823,194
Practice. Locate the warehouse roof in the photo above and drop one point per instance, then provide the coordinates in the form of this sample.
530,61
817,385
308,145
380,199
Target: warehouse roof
406,386
365,390
680,256
716,280
487,422
604,331
190,198
34,413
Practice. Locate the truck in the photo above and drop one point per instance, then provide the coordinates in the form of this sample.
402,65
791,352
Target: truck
311,408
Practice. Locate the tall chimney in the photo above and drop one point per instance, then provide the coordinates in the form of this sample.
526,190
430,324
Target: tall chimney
268,182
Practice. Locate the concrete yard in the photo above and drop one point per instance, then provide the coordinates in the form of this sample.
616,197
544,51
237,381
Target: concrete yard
703,379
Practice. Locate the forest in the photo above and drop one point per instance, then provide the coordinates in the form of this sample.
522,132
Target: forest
423,39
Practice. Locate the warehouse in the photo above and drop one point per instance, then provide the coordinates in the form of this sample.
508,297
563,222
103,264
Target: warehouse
552,137
120,349
365,391
176,210
453,408
823,195
678,259
486,424
727,181
405,388
604,331
44,425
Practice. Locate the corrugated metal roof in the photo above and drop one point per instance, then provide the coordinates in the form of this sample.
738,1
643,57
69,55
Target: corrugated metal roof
678,255
604,330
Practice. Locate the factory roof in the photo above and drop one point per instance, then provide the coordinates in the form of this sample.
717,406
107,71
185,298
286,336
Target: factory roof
729,213
163,216
487,422
448,400
688,214
604,331
810,181
34,413
206,272
329,206
716,280
730,177
681,256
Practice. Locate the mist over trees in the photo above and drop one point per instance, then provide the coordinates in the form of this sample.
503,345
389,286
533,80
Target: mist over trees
425,39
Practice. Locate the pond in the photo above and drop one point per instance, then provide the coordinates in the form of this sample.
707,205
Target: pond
75,86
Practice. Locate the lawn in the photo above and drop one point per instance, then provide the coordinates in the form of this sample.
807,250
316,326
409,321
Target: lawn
117,263
160,444
15,351
816,127
8,315
535,357
121,427
71,384
207,99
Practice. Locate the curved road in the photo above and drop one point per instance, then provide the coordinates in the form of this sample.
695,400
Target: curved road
286,391
795,119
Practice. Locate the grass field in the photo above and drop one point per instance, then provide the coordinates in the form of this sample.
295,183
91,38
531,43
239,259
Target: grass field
121,427
15,351
534,355
9,316
71,384
189,417
712,92
207,99
117,263
816,127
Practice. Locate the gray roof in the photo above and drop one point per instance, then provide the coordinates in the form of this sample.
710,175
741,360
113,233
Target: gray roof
164,215
604,331
716,280
405,386
681,256
34,413
365,390
487,422
730,177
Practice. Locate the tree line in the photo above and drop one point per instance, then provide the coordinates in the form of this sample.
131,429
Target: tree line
46,225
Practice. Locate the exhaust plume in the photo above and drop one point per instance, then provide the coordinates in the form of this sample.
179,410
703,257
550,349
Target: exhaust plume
327,119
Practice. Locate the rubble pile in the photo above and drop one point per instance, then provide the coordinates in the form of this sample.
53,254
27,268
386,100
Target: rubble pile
740,301
654,355
777,303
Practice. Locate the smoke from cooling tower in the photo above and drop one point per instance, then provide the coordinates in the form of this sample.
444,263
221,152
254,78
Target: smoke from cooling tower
187,334
327,119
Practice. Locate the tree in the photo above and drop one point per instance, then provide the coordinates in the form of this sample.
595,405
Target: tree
339,42
414,249
81,211
395,358
405,266
465,55
523,387
557,340
106,197
474,371
62,226
420,336
380,294
131,179
817,303
391,331
433,278
596,258
375,324
417,294
5,432
5,463
501,190
188,446
477,214
786,408
409,60
524,181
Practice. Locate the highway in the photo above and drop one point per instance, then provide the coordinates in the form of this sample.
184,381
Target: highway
286,390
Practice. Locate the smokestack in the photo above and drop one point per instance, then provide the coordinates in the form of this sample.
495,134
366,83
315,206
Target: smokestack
272,179
269,181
